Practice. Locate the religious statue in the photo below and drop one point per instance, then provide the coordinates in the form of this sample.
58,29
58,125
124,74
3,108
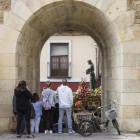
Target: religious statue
92,75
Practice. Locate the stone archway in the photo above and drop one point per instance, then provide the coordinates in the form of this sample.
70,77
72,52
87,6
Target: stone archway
29,24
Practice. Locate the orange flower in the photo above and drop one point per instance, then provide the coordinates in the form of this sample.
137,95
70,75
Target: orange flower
78,104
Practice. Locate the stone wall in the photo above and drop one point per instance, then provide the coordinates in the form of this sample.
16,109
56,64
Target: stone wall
28,25
134,5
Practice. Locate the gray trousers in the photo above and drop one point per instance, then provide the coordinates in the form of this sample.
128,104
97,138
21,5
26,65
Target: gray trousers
61,114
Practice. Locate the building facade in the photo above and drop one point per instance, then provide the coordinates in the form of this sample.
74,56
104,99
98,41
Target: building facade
65,56
25,26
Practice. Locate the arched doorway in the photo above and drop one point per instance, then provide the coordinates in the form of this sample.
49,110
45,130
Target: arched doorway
56,17
30,23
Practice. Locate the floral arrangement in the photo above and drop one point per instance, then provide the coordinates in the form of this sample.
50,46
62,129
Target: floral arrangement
83,89
84,96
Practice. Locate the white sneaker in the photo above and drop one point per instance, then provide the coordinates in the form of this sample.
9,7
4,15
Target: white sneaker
46,131
71,132
60,132
51,131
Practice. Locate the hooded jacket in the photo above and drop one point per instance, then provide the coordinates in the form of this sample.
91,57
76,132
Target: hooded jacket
49,94
23,99
65,96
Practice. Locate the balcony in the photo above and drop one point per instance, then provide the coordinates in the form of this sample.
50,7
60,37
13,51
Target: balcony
58,70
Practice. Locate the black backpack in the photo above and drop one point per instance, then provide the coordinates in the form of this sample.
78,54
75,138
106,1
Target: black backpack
32,115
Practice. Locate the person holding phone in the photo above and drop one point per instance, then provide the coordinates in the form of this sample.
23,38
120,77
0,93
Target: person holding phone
22,127
23,97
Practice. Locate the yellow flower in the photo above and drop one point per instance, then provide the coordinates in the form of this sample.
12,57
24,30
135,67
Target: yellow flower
95,90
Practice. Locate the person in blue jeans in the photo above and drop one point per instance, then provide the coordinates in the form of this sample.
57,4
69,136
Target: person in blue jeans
22,127
65,104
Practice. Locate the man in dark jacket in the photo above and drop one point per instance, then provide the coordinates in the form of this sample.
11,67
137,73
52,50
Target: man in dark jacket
22,127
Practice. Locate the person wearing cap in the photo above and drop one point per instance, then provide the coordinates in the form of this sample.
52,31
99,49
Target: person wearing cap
92,75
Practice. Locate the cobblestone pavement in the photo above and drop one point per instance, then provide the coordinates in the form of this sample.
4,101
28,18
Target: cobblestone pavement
66,136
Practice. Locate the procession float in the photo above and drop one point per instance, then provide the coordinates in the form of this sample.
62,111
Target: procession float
84,99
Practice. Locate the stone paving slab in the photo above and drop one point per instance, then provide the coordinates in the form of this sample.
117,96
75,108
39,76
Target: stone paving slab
66,136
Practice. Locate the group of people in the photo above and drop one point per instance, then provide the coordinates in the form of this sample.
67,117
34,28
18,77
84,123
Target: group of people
45,106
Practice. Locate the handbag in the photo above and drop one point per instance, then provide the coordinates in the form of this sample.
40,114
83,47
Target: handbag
32,115
12,123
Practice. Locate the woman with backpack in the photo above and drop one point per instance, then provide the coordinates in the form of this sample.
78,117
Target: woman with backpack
49,100
23,107
38,112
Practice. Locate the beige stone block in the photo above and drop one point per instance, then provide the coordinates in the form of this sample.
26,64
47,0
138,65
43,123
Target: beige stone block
124,21
112,40
131,72
116,9
116,61
6,111
104,5
77,11
30,4
130,112
119,111
118,85
92,2
111,85
136,30
118,98
131,60
6,98
117,73
93,20
101,24
7,85
33,86
109,42
22,73
85,15
22,10
7,46
131,86
108,31
126,34
8,60
8,33
13,21
131,46
115,50
130,99
4,122
105,86
105,73
37,8
8,73
49,1
130,125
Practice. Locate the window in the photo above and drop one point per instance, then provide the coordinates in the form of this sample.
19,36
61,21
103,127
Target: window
59,65
59,58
